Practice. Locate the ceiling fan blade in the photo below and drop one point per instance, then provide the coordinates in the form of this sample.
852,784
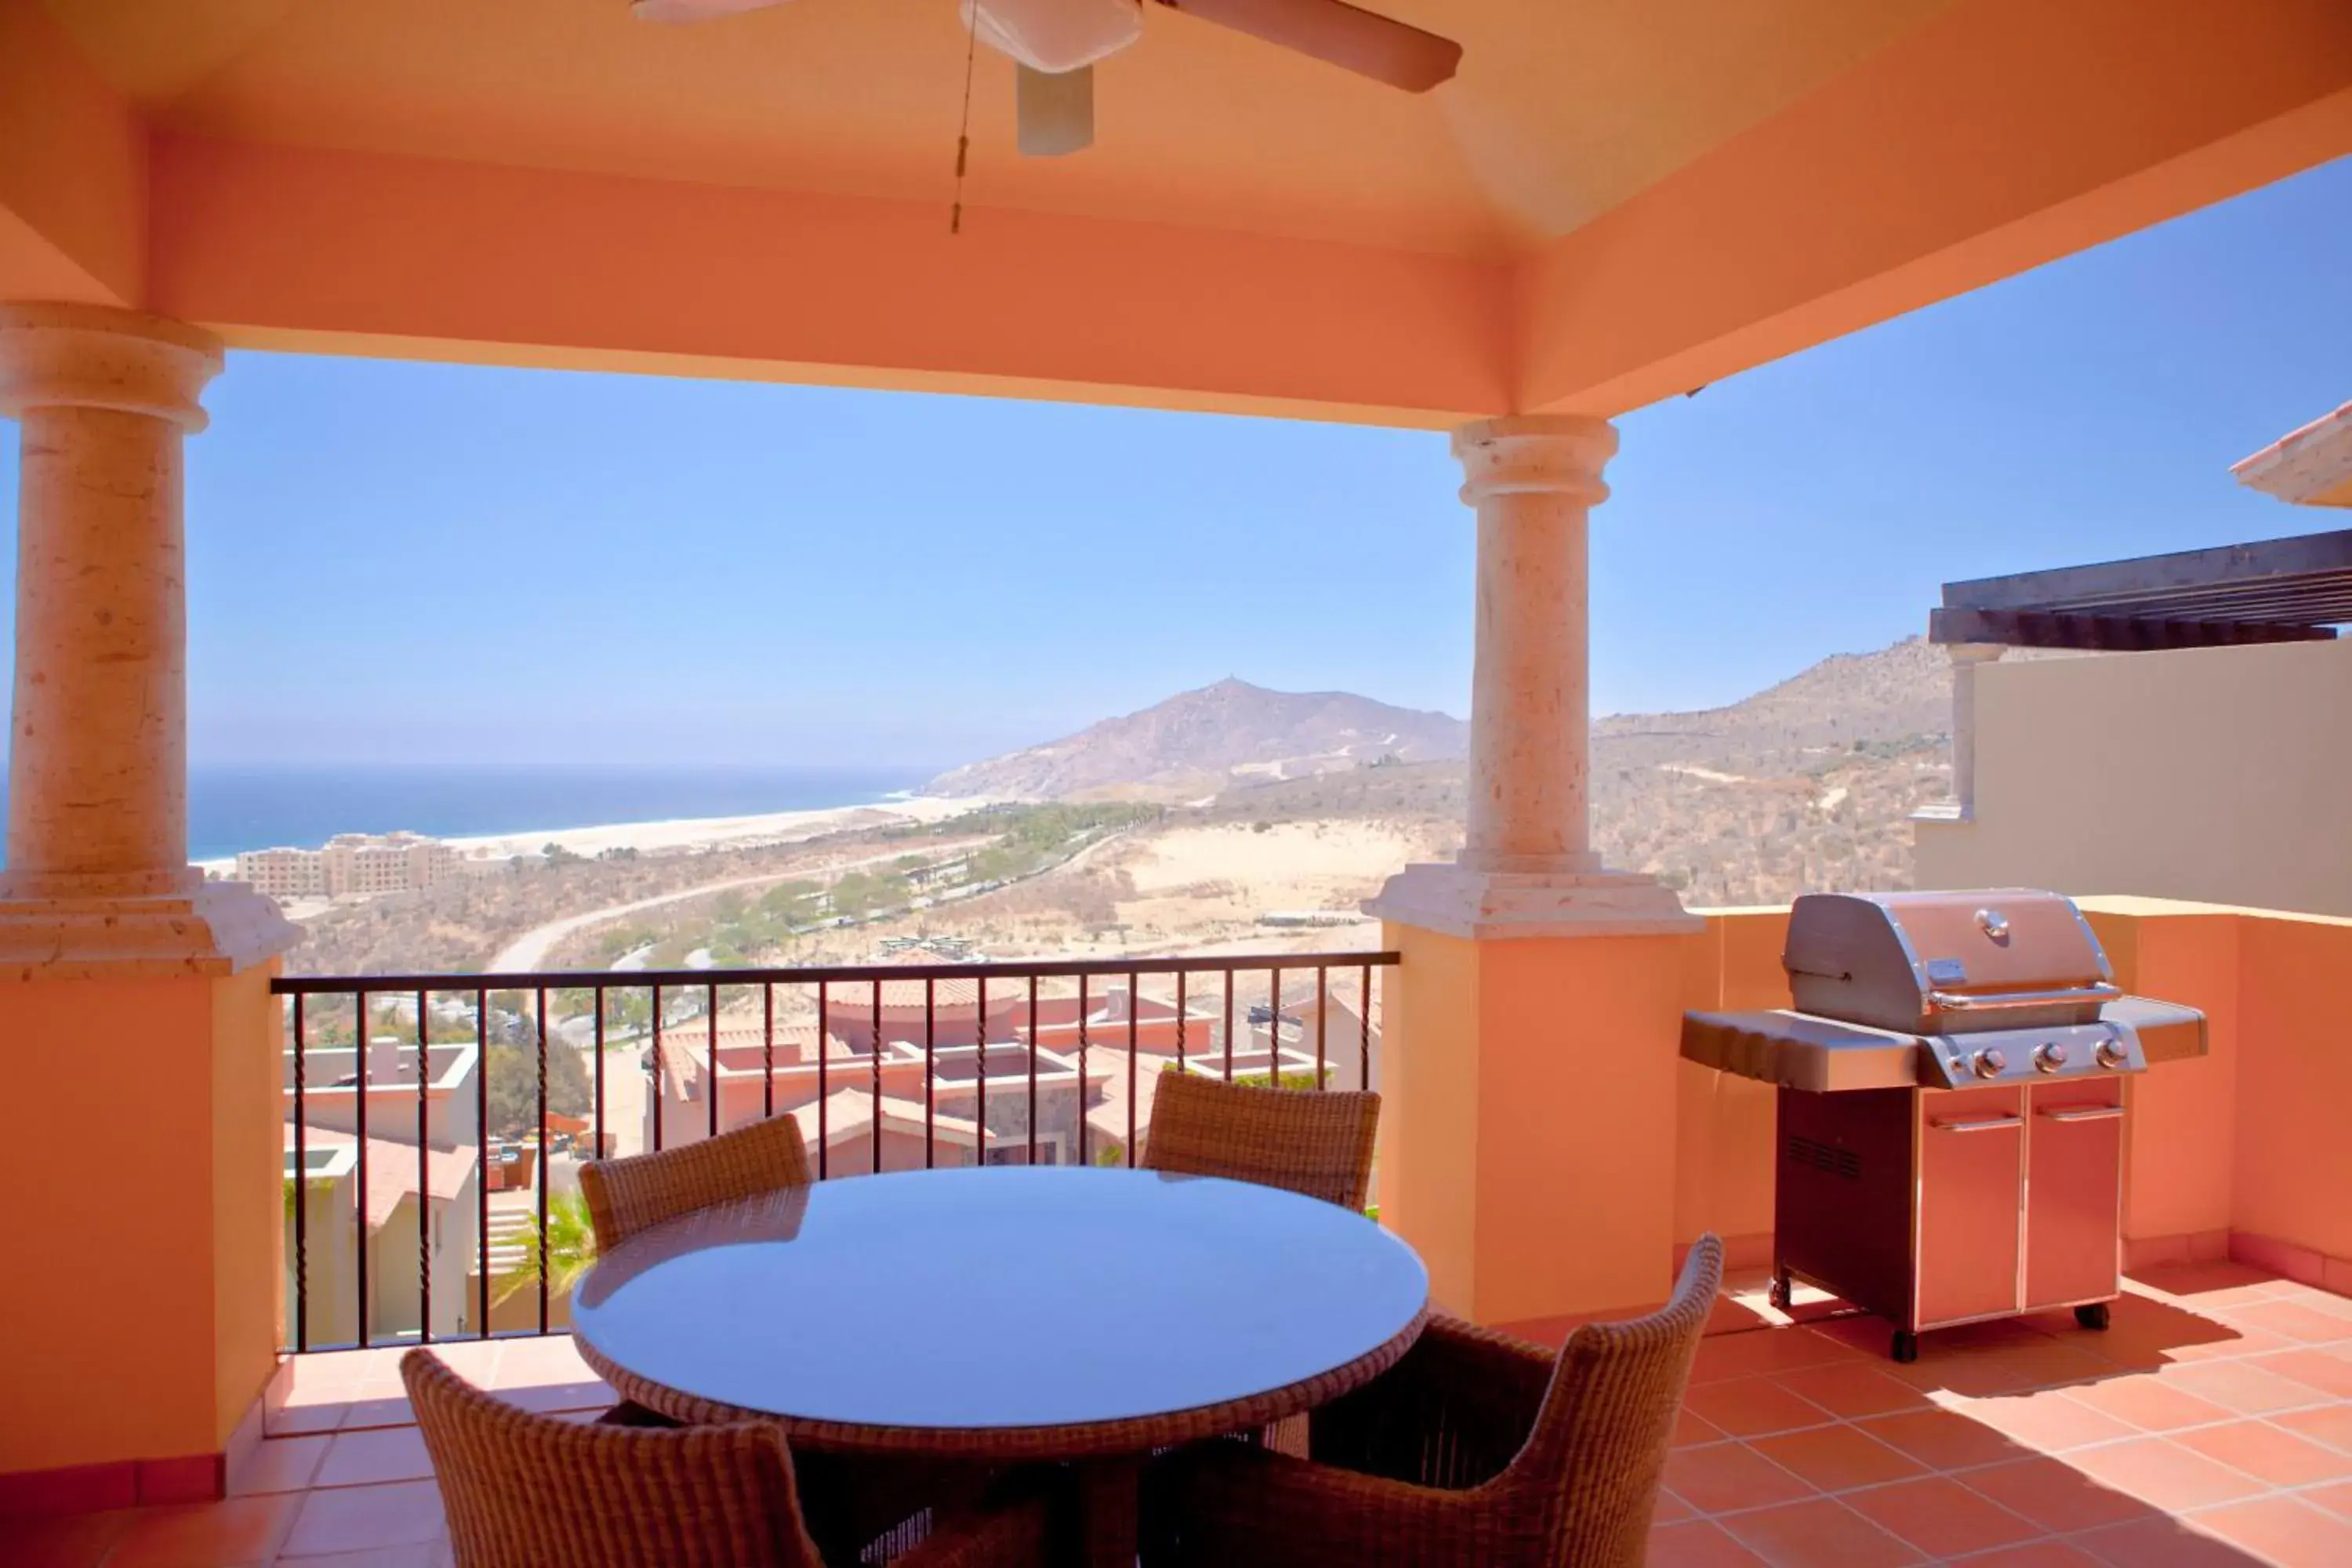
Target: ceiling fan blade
1340,34
693,10
1055,110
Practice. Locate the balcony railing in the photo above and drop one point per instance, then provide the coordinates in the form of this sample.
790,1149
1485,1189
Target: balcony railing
455,1090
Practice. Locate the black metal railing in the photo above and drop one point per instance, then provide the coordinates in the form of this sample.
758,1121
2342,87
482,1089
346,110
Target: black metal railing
469,1075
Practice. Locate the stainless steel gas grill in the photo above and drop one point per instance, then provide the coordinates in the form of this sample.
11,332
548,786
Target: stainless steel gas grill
1951,1105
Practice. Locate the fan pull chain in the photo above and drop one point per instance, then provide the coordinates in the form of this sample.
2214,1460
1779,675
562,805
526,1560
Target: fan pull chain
963,131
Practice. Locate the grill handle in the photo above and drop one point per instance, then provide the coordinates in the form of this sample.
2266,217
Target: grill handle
1987,1001
2082,1113
1978,1123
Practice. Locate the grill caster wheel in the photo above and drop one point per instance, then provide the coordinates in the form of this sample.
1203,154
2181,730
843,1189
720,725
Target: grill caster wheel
2093,1316
1779,1291
1905,1347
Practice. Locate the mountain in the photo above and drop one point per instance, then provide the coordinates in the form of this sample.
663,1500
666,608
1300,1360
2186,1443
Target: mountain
1848,698
1197,742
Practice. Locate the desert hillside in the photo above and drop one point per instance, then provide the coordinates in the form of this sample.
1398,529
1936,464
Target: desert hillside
1197,742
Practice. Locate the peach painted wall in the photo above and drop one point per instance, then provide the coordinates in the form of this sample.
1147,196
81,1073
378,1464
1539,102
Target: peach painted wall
2225,778
155,1306
2294,1112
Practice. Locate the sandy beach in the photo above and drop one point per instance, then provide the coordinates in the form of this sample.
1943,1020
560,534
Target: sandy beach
696,833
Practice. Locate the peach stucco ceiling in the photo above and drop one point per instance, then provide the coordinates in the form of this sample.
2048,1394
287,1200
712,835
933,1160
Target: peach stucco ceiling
1562,108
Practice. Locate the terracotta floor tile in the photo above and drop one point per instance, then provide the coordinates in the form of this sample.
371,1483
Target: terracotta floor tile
2284,1530
1941,1517
2214,1284
1728,1476
296,1420
2149,1403
2336,1498
2331,1426
2328,1371
69,1540
1944,1439
2269,1453
1752,1406
2035,1554
365,1458
1836,1457
1671,1509
213,1534
2054,1494
1691,1427
352,1518
2245,1386
2161,1542
279,1464
2057,1363
1697,1545
1821,1533
2164,1475
1972,1374
423,1554
2047,1421
1854,1389
1763,1350
2294,1320
380,1412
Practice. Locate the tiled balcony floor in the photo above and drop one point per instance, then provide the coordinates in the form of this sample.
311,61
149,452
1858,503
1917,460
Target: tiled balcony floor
2213,1423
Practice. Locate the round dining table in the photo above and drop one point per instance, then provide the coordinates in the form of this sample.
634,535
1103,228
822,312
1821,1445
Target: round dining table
1006,1314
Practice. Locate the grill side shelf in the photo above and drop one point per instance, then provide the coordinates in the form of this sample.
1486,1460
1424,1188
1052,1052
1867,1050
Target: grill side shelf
1799,1051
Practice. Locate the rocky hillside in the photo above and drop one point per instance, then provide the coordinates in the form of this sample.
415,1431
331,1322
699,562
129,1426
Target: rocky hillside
1848,698
1197,743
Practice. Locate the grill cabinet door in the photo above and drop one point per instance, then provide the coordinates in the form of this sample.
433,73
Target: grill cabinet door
1971,1171
2074,1185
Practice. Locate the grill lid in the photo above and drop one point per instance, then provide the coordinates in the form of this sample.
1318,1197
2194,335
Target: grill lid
1951,962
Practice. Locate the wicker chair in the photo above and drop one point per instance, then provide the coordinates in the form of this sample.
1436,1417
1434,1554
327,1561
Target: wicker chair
522,1490
1316,1142
874,1508
1475,1449
627,1195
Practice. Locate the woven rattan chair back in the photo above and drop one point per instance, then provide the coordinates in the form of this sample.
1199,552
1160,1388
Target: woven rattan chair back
521,1491
1316,1141
627,1195
1599,1447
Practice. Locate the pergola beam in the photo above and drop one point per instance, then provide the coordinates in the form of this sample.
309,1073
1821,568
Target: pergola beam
2105,634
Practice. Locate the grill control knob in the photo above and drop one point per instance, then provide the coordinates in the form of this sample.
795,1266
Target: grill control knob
2112,1055
2050,1058
1989,1063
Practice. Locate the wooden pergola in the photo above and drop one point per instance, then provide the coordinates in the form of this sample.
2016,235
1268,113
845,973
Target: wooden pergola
2280,589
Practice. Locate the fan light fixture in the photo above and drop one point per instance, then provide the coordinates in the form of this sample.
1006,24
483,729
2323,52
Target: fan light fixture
1055,35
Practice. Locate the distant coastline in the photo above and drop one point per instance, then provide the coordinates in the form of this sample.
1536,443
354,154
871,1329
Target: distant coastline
234,808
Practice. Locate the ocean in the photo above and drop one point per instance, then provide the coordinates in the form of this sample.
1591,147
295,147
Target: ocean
234,808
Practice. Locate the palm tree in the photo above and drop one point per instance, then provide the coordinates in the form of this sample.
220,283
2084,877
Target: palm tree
571,1247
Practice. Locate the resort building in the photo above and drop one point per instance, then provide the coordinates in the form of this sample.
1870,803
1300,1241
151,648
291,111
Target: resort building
350,865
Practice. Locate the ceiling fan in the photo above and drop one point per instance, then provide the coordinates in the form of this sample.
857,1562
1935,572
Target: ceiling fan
1056,44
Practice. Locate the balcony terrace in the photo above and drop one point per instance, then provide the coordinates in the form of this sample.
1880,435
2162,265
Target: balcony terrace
1606,208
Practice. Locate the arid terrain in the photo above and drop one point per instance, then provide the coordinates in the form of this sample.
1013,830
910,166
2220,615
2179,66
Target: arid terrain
1186,826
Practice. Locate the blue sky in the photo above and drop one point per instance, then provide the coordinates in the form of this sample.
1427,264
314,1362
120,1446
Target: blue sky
441,564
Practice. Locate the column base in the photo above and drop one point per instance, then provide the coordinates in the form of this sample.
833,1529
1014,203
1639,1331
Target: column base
1487,905
213,929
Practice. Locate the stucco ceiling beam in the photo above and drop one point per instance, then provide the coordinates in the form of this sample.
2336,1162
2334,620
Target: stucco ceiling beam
73,171
308,249
1994,138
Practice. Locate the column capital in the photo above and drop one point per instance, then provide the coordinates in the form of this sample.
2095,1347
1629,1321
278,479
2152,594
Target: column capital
1534,454
59,355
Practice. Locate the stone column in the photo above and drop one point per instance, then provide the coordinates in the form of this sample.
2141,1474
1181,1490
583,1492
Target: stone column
1529,1118
1527,867
135,1012
97,865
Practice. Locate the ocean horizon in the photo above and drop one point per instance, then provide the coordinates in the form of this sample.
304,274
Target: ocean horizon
237,807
